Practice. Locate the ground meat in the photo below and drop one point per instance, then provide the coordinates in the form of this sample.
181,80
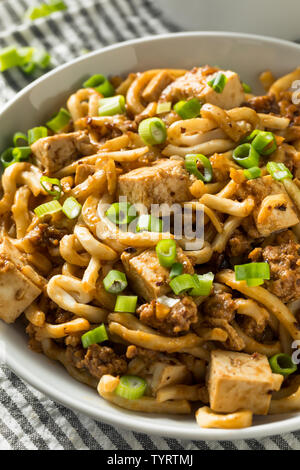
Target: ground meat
263,104
56,315
219,305
147,355
288,108
98,360
178,320
239,244
45,235
284,262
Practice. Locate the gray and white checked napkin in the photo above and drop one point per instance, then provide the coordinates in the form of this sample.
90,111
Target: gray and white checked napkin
28,419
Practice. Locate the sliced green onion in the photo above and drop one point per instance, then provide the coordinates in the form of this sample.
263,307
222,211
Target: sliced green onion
131,387
19,136
264,143
282,364
176,270
59,121
95,336
152,131
188,109
250,137
149,223
33,13
204,284
29,68
252,173
44,9
121,213
247,88
71,208
115,282
57,5
163,107
36,133
25,54
52,186
14,155
192,165
48,208
21,154
111,106
166,252
183,283
7,158
254,282
126,303
101,84
252,272
218,83
246,156
279,171
41,58
9,58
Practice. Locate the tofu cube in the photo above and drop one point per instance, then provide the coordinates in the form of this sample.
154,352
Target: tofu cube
232,95
54,152
239,381
17,291
165,182
148,278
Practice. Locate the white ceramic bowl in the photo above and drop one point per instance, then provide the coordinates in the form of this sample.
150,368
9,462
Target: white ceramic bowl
248,55
269,17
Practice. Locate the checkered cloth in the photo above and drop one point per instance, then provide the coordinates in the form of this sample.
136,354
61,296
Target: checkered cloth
28,419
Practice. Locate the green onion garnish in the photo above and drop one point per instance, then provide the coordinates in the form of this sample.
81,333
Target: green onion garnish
166,252
163,107
152,131
9,58
279,171
111,106
7,158
192,163
71,208
19,136
101,84
264,143
282,364
37,133
218,83
48,208
253,273
115,282
247,88
59,121
45,9
41,58
52,186
14,155
176,270
183,283
149,223
204,284
126,303
131,387
21,154
246,156
97,335
188,109
252,173
121,213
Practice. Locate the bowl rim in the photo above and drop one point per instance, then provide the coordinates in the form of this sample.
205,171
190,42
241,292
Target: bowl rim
118,418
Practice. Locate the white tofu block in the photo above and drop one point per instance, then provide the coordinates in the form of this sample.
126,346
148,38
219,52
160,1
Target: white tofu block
238,381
